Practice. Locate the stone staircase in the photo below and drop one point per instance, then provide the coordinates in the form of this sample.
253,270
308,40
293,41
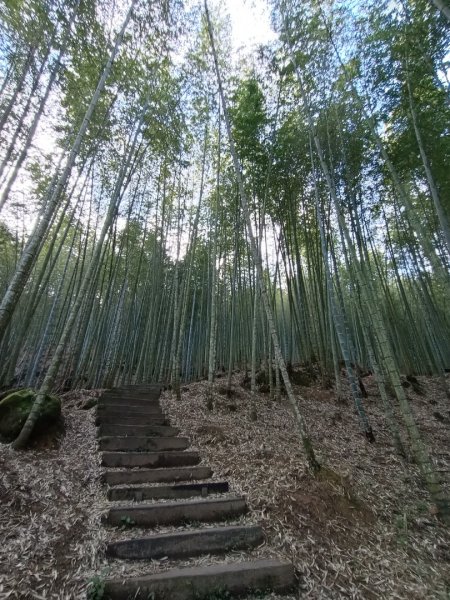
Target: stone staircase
154,480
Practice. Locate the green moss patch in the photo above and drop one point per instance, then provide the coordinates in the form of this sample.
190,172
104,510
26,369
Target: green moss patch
15,408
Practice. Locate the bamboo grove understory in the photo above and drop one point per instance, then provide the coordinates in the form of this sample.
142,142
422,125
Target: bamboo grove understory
168,212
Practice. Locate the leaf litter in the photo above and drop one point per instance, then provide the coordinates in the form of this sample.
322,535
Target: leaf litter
51,506
364,529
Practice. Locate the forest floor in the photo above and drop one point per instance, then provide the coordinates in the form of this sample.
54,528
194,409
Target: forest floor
365,528
51,503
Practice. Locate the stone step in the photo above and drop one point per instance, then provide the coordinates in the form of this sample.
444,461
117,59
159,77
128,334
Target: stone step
184,490
213,509
137,430
130,389
156,475
105,401
130,410
150,459
142,444
205,581
123,398
138,386
211,540
134,420
142,393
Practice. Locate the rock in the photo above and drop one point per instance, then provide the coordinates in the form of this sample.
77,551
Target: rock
261,378
8,392
15,408
437,415
245,381
301,378
211,433
88,403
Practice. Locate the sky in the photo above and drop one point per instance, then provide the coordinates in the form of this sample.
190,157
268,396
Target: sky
250,20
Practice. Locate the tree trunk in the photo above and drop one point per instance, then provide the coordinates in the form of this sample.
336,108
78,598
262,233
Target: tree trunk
30,252
256,253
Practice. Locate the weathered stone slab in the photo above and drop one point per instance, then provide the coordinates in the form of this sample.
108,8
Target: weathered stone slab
156,475
150,394
143,444
201,582
215,509
176,491
134,420
137,430
149,459
105,401
129,400
211,540
129,410
137,386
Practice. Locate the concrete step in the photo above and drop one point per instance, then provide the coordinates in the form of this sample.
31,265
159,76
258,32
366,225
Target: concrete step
183,490
137,386
137,430
140,389
205,582
109,419
212,540
150,395
150,459
156,475
143,444
105,401
213,509
128,410
124,398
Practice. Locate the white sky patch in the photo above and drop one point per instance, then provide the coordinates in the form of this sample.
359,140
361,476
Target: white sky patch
250,23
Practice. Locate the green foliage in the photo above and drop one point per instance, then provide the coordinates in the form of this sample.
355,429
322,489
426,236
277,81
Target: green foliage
96,588
250,121
401,523
8,252
127,522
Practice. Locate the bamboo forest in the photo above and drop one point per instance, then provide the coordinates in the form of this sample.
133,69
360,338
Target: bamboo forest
250,233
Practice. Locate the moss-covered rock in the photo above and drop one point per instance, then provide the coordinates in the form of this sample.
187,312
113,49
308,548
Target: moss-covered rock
15,408
9,391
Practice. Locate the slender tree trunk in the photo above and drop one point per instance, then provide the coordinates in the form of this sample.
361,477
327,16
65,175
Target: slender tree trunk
256,252
31,132
427,168
18,89
30,252
87,281
442,7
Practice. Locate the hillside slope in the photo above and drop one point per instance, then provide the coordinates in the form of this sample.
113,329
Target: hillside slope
365,528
